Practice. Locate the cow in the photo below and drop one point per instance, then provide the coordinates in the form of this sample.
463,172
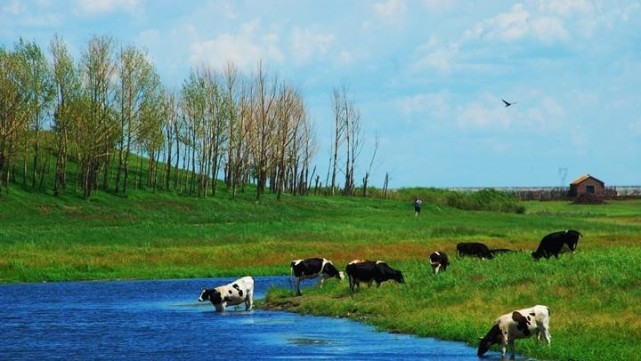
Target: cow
438,261
235,293
303,269
371,271
474,249
557,242
517,324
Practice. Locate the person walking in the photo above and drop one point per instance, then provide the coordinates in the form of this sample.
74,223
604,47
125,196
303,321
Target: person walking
417,206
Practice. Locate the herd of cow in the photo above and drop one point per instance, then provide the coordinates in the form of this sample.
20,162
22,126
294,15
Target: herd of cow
517,324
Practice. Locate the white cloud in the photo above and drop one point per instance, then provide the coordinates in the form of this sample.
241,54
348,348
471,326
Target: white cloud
517,24
345,57
98,7
306,44
481,117
244,49
421,104
566,7
390,10
14,7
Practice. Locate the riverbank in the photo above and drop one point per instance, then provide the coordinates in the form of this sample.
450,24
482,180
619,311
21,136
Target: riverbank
594,306
594,295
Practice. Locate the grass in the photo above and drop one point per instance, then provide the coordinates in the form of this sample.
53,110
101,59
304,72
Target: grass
594,294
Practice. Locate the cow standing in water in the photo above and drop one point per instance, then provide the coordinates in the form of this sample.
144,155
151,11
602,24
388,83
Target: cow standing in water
558,242
371,271
303,269
517,324
235,293
438,261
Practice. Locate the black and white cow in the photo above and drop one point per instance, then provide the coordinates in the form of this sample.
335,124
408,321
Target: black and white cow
438,261
303,269
474,249
517,324
235,293
558,242
371,271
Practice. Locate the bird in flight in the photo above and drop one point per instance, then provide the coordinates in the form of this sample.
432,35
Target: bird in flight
507,104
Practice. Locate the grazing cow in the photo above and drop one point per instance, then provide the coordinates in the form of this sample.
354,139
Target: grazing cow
235,293
371,271
438,261
517,324
558,242
311,268
473,249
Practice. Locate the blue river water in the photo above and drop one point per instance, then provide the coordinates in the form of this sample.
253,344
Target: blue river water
162,320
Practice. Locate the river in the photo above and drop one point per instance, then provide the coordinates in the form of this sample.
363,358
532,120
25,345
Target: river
162,320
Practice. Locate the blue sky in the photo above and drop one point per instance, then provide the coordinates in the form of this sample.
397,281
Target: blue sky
427,76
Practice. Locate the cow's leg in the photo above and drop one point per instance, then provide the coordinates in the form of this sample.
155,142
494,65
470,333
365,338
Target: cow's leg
297,285
249,301
512,351
504,342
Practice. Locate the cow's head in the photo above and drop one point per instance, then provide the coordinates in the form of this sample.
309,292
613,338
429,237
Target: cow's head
210,294
492,337
399,277
536,255
331,271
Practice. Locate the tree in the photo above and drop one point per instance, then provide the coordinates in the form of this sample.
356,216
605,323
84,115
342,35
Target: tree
347,131
12,118
38,94
97,130
139,97
68,86
263,107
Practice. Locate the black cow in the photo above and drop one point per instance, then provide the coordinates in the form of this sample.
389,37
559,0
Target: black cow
474,249
558,242
438,261
371,271
309,268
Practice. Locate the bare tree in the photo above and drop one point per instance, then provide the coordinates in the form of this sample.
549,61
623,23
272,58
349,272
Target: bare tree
348,132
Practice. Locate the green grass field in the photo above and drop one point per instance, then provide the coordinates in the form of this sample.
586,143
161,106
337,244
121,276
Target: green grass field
594,295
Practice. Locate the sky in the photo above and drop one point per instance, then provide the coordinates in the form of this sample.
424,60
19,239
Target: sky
427,76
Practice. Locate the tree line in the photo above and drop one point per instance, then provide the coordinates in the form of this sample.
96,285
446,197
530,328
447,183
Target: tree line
78,125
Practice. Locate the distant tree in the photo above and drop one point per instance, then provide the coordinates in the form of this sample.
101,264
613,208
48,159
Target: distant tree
264,107
347,132
38,95
68,87
139,99
13,120
170,117
97,133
